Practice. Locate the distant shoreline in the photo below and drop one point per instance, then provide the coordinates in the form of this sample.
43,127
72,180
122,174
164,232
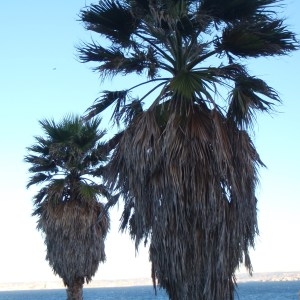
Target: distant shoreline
41,285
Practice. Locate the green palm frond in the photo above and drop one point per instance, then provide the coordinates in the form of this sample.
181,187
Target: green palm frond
245,98
232,10
49,167
41,147
173,37
73,151
92,159
87,191
255,39
230,72
40,163
187,84
110,18
38,178
108,98
51,129
114,61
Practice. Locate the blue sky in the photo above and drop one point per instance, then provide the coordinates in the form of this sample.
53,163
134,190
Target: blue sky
40,77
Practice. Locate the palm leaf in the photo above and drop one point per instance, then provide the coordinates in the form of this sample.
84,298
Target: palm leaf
112,19
258,39
108,98
244,99
230,11
230,72
113,60
41,147
47,166
38,178
188,84
87,191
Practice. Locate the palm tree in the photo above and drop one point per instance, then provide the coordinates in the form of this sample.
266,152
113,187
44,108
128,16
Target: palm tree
67,205
184,162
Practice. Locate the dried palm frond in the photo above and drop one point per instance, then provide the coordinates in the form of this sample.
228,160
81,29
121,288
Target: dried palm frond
74,238
254,39
191,184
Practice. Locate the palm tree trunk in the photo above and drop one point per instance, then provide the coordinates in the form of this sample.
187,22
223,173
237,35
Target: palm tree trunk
74,290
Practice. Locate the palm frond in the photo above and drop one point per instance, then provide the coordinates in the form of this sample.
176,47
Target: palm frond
187,82
43,162
92,159
112,201
38,178
258,39
87,191
112,19
230,11
108,98
231,71
245,98
51,129
41,147
113,60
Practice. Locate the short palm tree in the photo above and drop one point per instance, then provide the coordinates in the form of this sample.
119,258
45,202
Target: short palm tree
67,205
184,162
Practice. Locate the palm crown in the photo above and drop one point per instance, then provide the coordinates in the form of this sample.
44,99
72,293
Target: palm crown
176,38
69,154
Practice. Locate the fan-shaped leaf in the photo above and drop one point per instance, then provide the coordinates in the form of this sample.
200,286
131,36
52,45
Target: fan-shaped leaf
258,39
112,19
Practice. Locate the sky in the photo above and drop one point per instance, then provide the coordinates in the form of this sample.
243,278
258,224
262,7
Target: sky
41,77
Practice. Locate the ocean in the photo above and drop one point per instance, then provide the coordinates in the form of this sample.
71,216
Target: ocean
245,291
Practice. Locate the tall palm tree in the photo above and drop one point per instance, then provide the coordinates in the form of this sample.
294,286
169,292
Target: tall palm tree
67,205
184,162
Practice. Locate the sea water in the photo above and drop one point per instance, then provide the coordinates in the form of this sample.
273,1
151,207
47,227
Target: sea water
245,291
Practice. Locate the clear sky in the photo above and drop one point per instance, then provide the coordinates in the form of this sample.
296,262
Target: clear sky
40,77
